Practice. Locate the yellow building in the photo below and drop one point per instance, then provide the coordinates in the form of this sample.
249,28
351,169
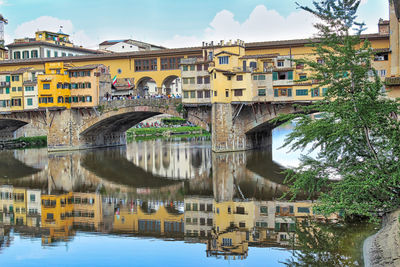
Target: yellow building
16,89
5,98
162,222
89,84
54,86
19,205
58,38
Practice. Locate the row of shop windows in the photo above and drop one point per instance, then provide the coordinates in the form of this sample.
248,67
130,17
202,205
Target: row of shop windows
67,99
196,207
200,94
198,67
70,200
200,80
203,221
46,86
79,74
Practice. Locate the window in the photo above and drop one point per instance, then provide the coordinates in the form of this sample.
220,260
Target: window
191,80
223,60
303,76
199,94
229,78
226,93
259,77
146,64
29,88
207,94
206,79
303,209
239,78
63,54
14,89
262,92
25,54
301,92
184,68
202,221
88,98
16,102
215,93
29,101
281,63
15,78
60,99
185,94
48,53
55,54
19,89
46,86
263,209
191,67
199,80
34,54
238,92
324,91
381,57
17,55
195,208
253,65
33,198
171,63
199,67
315,92
383,73
283,92
193,95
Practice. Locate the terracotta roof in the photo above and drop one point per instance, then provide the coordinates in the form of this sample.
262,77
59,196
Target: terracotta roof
260,56
301,42
72,48
86,67
111,42
20,71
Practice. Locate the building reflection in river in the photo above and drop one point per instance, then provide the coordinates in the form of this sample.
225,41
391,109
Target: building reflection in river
162,158
227,228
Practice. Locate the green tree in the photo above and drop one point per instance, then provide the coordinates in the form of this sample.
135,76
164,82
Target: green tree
357,140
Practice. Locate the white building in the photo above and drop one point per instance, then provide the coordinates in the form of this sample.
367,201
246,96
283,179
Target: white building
127,45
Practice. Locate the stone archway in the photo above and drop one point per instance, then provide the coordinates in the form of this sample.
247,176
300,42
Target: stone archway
146,86
171,85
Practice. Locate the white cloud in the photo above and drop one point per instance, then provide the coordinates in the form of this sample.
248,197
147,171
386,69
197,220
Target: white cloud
48,23
261,25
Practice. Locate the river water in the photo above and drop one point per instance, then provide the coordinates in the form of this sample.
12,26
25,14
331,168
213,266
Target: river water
163,203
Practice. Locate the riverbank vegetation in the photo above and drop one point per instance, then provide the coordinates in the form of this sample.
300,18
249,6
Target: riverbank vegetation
358,140
24,142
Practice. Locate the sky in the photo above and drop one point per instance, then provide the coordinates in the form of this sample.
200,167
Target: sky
171,23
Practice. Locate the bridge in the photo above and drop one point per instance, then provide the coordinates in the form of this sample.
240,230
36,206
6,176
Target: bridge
234,127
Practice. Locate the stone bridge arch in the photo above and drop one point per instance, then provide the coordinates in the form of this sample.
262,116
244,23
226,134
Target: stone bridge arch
22,124
107,124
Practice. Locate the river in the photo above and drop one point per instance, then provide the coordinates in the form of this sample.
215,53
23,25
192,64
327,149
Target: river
164,202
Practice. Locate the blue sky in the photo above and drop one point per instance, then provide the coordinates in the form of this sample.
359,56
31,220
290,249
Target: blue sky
174,23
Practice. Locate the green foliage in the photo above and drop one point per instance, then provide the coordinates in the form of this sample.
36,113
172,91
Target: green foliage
33,142
173,121
359,135
180,109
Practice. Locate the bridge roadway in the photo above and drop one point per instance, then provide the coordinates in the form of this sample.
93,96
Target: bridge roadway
234,127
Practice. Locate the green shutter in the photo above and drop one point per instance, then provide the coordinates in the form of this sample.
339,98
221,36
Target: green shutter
292,227
324,90
290,75
278,209
291,210
312,92
275,76
276,92
7,90
277,226
289,92
7,78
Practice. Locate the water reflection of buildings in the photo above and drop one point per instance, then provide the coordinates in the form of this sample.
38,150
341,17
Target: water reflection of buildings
163,159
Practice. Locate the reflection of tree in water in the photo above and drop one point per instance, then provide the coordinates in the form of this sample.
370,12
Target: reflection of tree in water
322,244
196,158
